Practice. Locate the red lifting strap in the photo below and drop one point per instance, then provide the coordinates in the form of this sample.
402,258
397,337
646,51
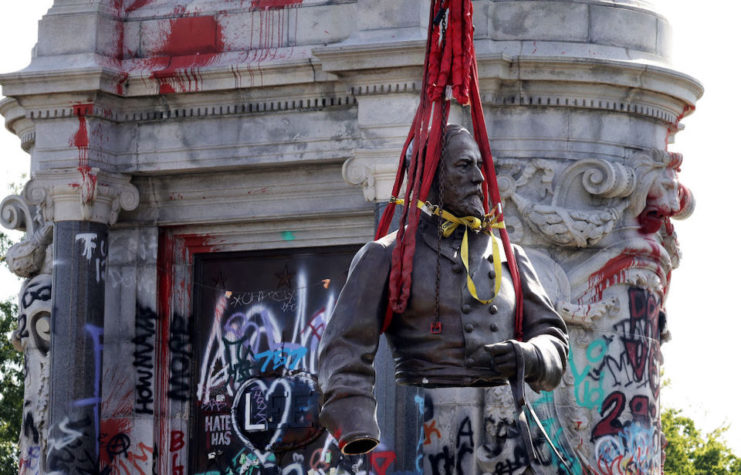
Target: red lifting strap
449,65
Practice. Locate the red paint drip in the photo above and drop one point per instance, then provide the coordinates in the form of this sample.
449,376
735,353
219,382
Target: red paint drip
615,270
165,270
611,273
81,140
273,4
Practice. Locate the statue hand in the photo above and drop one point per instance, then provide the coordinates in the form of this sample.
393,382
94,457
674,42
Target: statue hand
504,358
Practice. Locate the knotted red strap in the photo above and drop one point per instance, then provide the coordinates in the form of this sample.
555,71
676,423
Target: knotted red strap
449,65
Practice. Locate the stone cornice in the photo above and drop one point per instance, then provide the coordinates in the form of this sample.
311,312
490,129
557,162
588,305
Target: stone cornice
81,195
17,122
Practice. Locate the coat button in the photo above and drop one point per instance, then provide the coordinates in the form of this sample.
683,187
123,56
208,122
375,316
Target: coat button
457,268
493,327
493,309
468,327
466,308
490,258
469,361
492,274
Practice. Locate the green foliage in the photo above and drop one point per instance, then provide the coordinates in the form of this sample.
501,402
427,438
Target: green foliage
689,451
11,381
11,391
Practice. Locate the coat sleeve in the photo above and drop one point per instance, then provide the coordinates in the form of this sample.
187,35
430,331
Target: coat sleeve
348,348
543,327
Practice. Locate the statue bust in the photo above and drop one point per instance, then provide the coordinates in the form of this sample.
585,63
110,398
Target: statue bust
449,335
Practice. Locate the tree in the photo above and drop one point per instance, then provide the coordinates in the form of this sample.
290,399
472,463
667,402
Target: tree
11,382
11,391
689,451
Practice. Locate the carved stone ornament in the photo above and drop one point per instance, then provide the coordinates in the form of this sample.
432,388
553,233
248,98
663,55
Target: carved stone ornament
89,195
372,170
26,258
554,218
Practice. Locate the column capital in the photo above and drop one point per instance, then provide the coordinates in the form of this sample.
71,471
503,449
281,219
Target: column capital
86,194
375,170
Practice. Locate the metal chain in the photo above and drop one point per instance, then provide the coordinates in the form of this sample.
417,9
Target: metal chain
437,324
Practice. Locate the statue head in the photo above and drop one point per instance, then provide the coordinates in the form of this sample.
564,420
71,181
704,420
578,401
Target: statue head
459,175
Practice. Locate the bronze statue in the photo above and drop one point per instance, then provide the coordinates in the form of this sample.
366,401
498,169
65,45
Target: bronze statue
448,335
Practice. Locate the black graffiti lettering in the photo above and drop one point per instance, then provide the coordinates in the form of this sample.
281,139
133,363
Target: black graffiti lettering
447,459
118,445
30,426
143,359
179,346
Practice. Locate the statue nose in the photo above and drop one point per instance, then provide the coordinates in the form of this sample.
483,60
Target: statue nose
478,176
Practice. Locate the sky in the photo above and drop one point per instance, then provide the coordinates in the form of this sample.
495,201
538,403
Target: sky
702,360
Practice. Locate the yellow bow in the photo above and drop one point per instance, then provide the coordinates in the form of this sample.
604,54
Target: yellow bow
469,222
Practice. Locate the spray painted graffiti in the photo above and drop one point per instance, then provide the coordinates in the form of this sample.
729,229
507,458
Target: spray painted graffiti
617,377
145,323
180,359
256,400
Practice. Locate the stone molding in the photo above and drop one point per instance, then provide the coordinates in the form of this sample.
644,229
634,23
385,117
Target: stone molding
81,195
373,170
248,196
216,108
16,121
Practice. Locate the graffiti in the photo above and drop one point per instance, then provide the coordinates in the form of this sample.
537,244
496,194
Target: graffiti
450,461
642,335
545,407
381,461
288,358
588,383
220,429
429,430
73,442
179,345
177,442
29,460
131,461
33,337
637,364
277,414
285,297
422,404
145,326
66,452
641,410
630,451
97,259
88,244
256,399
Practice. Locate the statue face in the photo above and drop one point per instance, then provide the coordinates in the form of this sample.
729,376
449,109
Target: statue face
462,177
663,201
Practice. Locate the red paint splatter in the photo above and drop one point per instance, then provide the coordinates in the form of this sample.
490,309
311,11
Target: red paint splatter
193,35
273,4
111,430
193,42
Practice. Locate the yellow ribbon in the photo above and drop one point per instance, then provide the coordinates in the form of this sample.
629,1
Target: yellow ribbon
486,225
